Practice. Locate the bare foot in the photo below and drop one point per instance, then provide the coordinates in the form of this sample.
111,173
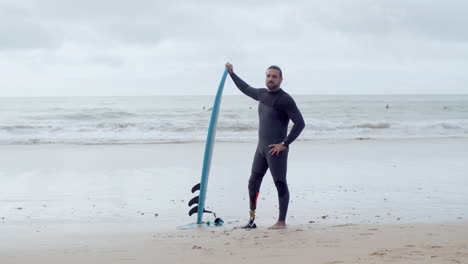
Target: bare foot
278,225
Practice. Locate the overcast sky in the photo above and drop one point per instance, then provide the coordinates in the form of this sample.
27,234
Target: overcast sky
116,48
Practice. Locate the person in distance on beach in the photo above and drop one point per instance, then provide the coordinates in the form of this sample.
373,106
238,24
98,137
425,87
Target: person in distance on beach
275,109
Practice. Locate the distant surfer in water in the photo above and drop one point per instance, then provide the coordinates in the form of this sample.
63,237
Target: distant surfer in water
275,109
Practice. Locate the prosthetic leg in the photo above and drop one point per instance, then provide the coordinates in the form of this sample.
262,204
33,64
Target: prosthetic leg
251,224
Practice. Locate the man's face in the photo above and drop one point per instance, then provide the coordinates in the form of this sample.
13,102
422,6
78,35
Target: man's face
273,79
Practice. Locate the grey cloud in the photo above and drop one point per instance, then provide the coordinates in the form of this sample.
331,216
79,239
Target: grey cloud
20,30
106,60
48,23
155,42
437,20
442,20
149,22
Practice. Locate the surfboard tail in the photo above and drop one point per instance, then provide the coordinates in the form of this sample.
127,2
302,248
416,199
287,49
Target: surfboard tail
195,201
195,210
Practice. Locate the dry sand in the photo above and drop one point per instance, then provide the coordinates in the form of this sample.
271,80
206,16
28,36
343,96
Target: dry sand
312,243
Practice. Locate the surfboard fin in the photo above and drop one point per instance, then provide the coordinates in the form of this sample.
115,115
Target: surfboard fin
193,201
196,188
193,210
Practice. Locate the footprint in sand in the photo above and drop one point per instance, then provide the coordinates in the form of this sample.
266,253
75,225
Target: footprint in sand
416,252
379,253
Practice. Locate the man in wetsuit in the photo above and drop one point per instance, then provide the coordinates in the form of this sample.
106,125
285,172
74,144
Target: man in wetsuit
275,109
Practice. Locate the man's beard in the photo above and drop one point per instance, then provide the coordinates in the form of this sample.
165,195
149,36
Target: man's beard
272,86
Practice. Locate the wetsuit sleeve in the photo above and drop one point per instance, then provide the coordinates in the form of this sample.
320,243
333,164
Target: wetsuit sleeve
290,107
244,87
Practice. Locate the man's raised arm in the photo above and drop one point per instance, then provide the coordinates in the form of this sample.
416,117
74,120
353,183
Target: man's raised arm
243,86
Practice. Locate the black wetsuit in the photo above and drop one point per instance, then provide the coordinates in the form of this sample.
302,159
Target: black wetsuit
275,109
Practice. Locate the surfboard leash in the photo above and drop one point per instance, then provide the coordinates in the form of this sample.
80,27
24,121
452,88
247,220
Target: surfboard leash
217,222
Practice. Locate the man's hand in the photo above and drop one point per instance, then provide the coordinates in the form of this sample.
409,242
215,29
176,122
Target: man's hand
230,69
276,148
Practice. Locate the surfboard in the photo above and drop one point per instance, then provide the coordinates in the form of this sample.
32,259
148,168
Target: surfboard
203,185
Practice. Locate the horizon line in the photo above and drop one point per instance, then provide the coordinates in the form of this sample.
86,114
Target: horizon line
176,95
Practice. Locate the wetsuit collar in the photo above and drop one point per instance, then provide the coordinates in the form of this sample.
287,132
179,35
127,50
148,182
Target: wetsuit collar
275,92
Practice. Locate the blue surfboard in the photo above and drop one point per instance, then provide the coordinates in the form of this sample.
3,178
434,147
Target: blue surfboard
202,186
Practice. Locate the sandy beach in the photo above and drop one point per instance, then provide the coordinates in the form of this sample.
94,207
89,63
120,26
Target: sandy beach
406,243
352,201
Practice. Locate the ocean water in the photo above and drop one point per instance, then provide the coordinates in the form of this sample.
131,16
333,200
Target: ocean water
120,120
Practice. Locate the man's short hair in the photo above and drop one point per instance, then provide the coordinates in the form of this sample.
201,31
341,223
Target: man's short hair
274,67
